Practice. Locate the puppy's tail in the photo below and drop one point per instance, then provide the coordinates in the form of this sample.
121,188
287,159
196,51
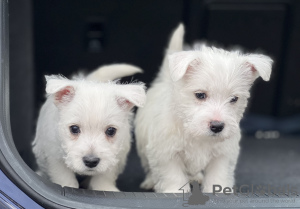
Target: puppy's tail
112,72
175,45
176,41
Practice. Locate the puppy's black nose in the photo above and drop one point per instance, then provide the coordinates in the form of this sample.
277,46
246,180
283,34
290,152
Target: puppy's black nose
216,126
91,161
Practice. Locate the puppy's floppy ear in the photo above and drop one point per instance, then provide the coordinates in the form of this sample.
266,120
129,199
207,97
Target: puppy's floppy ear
131,95
260,65
61,88
179,63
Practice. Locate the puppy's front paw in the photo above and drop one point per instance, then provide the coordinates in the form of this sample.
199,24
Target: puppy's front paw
200,178
73,184
109,188
112,189
186,189
147,184
65,181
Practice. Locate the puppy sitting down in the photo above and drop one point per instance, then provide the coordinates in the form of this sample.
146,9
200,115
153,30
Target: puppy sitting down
190,123
84,127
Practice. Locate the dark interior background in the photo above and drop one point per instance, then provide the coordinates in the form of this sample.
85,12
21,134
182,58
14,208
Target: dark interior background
51,37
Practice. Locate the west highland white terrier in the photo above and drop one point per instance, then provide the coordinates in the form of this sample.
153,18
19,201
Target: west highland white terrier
189,125
84,127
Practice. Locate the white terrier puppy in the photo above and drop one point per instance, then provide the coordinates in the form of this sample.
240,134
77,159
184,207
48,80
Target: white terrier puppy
84,127
190,123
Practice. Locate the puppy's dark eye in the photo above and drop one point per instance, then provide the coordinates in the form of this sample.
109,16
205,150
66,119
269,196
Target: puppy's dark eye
200,95
74,129
234,99
111,131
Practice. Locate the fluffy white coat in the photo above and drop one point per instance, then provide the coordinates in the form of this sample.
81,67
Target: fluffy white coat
173,134
93,106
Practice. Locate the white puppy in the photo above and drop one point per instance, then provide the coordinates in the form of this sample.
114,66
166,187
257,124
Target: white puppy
190,123
84,127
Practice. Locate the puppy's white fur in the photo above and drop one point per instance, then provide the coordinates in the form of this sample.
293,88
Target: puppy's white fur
173,133
93,106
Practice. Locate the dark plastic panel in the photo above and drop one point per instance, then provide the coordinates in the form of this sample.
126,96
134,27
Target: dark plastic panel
22,76
256,27
290,100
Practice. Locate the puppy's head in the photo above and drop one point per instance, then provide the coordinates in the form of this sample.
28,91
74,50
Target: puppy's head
94,121
211,88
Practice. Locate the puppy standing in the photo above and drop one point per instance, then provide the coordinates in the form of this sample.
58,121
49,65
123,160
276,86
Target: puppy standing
84,127
190,122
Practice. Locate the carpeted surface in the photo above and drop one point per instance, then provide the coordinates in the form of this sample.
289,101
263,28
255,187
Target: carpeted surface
275,162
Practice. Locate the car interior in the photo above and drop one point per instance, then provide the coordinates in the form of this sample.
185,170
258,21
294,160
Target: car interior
65,37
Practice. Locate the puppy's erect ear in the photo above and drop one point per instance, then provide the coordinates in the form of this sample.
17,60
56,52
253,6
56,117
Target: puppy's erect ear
61,88
260,65
131,95
179,63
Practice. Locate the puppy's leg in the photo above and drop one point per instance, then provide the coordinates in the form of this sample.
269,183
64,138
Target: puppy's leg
220,171
198,177
170,177
104,182
60,174
148,183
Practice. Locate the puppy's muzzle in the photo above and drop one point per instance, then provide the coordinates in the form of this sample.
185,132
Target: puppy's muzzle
91,161
216,126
